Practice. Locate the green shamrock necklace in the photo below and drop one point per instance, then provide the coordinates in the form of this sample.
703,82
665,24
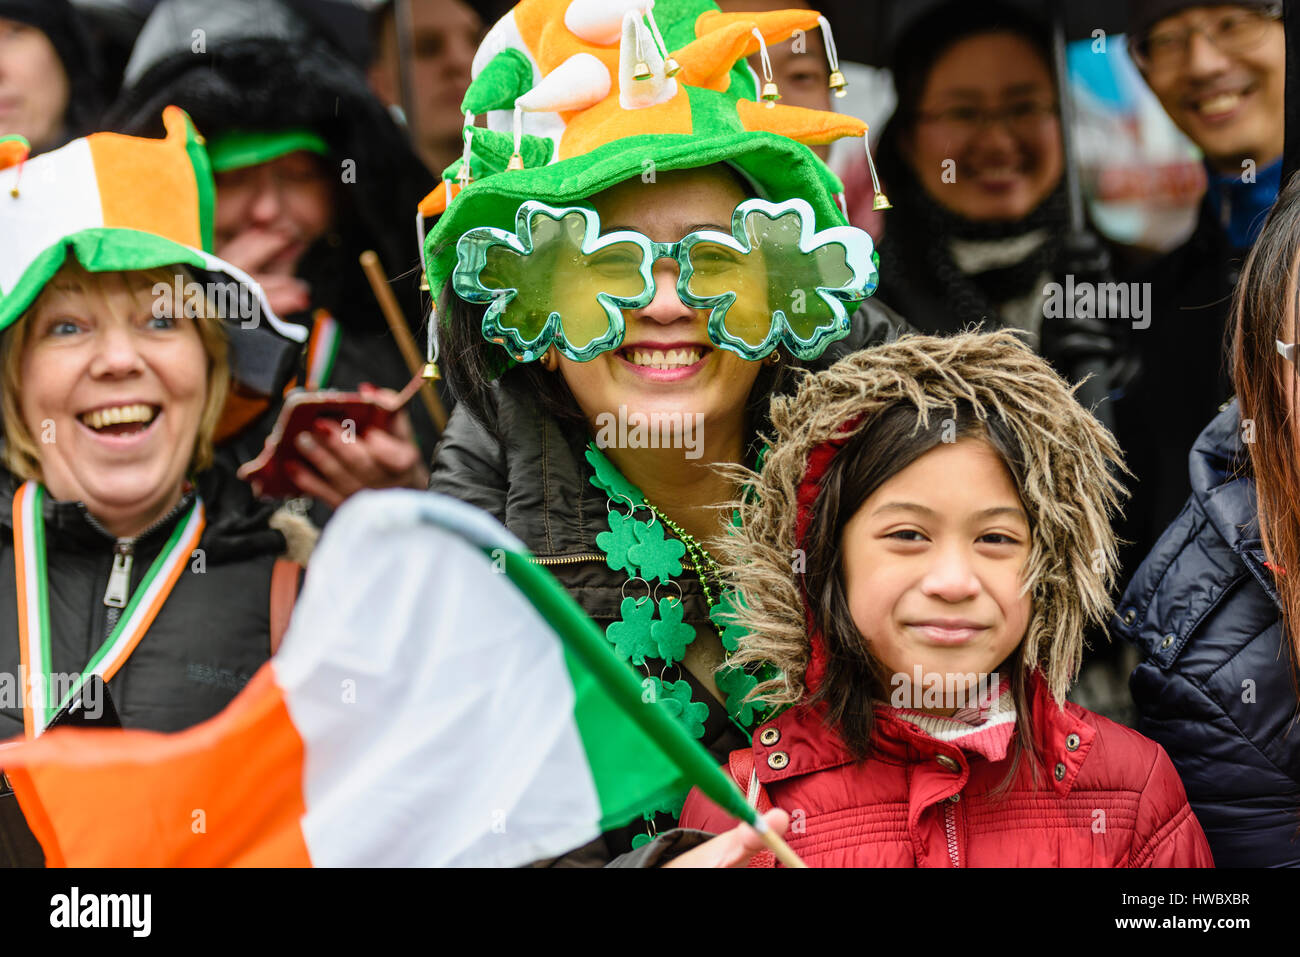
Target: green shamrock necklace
640,546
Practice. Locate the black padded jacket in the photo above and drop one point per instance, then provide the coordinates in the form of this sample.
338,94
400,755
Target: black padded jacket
211,635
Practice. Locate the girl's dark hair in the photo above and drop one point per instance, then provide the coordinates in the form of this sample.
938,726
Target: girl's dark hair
1265,309
928,37
855,678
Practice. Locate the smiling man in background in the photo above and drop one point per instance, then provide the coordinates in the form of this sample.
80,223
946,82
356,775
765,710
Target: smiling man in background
1219,71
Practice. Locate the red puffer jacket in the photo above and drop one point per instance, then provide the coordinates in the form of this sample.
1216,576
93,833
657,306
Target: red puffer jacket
1109,797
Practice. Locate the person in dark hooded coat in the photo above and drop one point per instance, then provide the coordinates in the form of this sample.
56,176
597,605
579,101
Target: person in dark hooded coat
264,89
48,73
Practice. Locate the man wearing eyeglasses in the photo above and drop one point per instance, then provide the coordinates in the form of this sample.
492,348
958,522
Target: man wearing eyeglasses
1219,71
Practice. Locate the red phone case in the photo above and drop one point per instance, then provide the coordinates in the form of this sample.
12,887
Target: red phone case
299,414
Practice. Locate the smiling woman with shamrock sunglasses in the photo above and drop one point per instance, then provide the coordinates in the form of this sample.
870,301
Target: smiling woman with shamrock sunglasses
616,313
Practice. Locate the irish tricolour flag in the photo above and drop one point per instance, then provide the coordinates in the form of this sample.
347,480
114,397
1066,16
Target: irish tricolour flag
438,700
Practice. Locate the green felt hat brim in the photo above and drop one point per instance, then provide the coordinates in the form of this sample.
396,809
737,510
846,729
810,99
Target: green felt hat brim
783,168
97,250
108,249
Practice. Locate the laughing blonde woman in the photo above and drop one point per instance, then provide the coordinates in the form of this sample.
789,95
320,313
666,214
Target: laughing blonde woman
124,552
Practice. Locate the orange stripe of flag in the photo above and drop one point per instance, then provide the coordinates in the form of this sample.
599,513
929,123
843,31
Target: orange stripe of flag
227,792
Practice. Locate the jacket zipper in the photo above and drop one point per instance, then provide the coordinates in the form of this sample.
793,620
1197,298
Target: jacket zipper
585,557
119,577
950,826
566,559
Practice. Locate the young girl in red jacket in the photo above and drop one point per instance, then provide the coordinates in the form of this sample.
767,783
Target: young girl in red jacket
919,559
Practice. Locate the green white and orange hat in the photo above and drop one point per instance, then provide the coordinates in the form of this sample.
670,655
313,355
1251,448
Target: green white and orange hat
118,203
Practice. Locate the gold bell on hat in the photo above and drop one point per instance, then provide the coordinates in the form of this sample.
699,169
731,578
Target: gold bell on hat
770,93
642,71
516,162
838,83
671,67
430,372
880,200
424,281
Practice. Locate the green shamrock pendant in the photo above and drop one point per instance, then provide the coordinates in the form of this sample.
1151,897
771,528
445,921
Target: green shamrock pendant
670,634
616,542
675,698
610,480
631,637
723,617
736,683
659,557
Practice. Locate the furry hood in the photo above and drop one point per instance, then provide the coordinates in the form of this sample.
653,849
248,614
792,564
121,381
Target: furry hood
1069,492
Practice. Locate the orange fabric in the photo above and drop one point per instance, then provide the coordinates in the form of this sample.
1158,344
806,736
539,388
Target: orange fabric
541,27
438,198
775,25
608,121
130,798
149,184
13,152
286,577
810,127
237,414
708,60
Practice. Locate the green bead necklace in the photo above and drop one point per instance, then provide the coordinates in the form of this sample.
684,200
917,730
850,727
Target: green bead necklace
641,549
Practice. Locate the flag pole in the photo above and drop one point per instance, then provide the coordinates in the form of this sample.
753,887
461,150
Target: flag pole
402,335
777,845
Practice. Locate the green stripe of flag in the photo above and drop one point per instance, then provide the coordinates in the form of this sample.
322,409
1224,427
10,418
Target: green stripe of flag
638,754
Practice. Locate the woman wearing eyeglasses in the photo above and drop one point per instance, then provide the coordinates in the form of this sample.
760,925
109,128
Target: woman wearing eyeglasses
624,284
1215,608
1219,71
973,161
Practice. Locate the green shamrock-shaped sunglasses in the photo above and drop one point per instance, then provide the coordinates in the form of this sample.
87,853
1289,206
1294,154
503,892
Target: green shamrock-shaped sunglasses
773,281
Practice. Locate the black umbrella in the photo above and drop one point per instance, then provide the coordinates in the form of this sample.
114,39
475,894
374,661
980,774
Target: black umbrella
866,30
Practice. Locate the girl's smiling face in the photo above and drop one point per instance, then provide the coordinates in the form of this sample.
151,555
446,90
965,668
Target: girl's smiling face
933,565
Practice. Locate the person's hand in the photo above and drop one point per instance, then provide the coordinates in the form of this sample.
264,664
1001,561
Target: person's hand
269,258
733,848
344,464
